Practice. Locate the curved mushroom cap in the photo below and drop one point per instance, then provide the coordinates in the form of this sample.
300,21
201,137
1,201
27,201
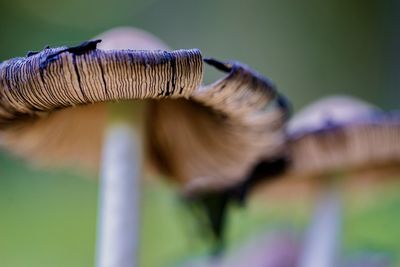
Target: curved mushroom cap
342,134
339,136
207,142
205,149
74,136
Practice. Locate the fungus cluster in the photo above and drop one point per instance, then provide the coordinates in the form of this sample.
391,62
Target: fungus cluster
224,128
203,137
213,140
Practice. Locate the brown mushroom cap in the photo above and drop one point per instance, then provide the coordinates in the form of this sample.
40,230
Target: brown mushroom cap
209,138
73,136
342,135
208,150
338,136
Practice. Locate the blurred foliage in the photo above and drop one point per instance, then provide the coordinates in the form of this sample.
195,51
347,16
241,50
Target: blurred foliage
308,48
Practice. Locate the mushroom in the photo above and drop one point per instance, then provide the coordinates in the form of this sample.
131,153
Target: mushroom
35,90
332,140
207,138
122,160
213,140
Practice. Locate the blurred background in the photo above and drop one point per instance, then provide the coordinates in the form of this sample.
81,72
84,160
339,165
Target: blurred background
308,48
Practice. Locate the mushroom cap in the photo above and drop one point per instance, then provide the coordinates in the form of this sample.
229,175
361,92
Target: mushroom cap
206,138
341,135
337,136
205,150
74,136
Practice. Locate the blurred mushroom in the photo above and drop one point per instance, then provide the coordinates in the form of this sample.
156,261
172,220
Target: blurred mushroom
212,140
343,134
330,141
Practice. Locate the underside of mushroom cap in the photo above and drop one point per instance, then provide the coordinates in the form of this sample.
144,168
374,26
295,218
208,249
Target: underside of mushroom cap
222,133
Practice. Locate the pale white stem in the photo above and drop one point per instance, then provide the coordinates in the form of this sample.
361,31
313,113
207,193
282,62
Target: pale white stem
118,222
321,246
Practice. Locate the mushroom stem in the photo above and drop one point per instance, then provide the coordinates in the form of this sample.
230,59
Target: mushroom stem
322,243
118,222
